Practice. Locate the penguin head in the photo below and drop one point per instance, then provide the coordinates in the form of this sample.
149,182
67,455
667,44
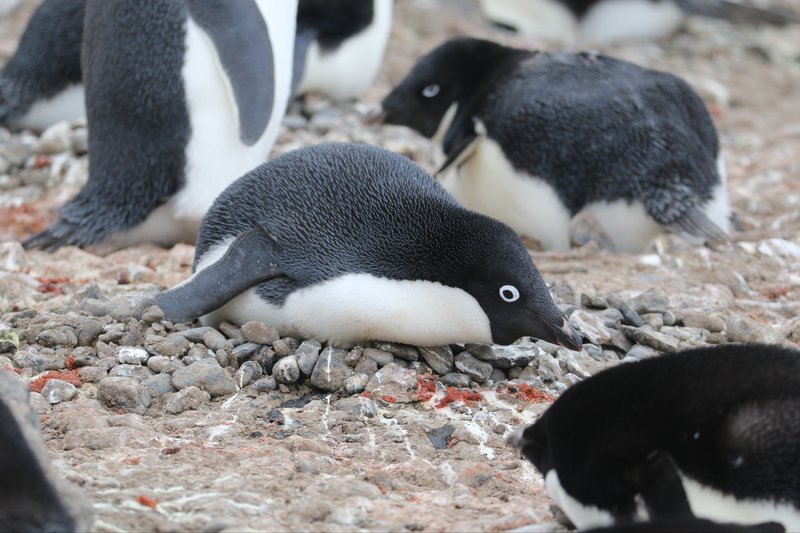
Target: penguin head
447,75
515,298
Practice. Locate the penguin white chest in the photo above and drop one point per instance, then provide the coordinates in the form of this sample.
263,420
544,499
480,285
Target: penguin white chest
489,184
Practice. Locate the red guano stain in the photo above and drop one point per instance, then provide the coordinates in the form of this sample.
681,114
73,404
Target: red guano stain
426,387
147,502
51,285
69,364
389,399
527,393
459,395
70,377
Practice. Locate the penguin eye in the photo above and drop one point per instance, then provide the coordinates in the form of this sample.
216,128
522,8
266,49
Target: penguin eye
509,293
430,90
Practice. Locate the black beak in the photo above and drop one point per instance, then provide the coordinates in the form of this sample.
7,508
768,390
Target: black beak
567,337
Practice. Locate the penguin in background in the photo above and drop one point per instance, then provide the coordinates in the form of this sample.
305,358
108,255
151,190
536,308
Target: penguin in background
607,21
340,45
174,117
347,243
532,138
712,432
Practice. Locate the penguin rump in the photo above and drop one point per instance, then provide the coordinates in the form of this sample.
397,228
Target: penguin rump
712,431
348,243
535,137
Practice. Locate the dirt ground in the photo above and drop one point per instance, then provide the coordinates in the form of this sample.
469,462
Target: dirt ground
297,458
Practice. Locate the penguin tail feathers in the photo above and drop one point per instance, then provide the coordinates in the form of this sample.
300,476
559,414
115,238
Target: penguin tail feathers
734,11
694,222
59,234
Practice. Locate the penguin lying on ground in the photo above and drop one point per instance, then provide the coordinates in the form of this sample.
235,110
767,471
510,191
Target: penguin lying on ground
713,432
183,97
535,137
347,243
28,501
338,51
340,45
604,21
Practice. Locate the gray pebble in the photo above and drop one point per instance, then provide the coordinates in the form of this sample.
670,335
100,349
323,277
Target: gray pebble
381,357
497,375
132,356
650,301
515,355
357,405
353,356
471,366
356,383
260,333
105,350
712,322
282,348
92,374
286,370
244,351
207,375
330,372
131,371
96,307
265,384
232,331
123,393
249,372
79,141
668,318
174,345
88,331
439,358
158,385
183,400
57,391
590,326
90,290
366,366
307,354
629,316
641,352
439,436
746,329
9,340
195,334
619,340
593,302
222,358
594,352
152,314
159,363
401,351
58,337
648,337
39,360
265,357
611,317
654,320
216,341
295,122
39,405
455,379
54,140
15,151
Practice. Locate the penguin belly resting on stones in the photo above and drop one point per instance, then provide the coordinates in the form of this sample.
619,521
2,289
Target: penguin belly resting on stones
532,138
182,98
349,243
712,432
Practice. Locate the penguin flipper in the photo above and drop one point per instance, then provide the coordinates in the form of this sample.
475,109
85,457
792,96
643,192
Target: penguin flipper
242,40
302,41
249,260
737,12
460,143
661,487
694,222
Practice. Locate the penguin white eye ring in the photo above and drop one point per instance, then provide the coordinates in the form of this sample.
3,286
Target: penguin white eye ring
509,293
429,91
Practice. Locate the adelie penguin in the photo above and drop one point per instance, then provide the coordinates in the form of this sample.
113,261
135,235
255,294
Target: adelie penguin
712,432
604,21
182,97
532,138
348,243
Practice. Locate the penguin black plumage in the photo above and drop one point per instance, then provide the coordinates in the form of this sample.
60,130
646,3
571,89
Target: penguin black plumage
712,431
603,21
347,243
536,137
182,98
688,524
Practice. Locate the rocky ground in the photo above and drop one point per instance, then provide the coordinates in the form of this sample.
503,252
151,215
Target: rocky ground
177,427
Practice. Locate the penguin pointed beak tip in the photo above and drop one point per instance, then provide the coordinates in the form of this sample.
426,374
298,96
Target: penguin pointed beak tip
376,116
568,337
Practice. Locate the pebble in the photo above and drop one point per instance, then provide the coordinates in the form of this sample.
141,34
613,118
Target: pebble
57,391
152,314
395,381
123,393
629,316
650,301
366,366
58,337
92,374
207,375
401,351
641,352
9,340
381,357
130,371
590,326
158,385
88,331
746,329
39,359
357,405
330,371
471,366
307,354
54,140
265,357
158,363
189,398
712,322
260,333
174,345
286,370
195,334
647,336
15,151
353,356
232,331
356,383
439,436
515,355
265,384
497,375
242,352
216,341
12,257
593,302
132,356
439,358
654,320
249,372
455,379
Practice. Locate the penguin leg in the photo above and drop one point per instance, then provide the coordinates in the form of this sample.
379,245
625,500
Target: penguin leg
249,260
661,487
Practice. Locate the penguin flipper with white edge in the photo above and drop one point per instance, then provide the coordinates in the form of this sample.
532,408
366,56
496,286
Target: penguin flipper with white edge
249,260
159,107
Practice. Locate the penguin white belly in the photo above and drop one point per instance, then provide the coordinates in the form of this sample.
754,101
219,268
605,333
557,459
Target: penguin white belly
547,19
718,208
626,224
67,105
583,516
621,20
487,183
715,505
356,307
347,71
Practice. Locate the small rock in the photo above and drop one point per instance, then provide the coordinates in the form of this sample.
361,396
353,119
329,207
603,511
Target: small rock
650,301
265,357
282,347
54,140
123,393
307,354
654,320
645,335
356,383
611,317
590,326
471,366
668,318
158,385
15,151
183,400
249,372
395,381
260,333
712,322
619,340
641,352
207,375
366,366
380,357
353,356
330,372
593,302
130,371
244,351
455,379
174,345
497,375
132,356
440,436
62,336
92,374
195,334
286,370
39,360
216,341
358,406
584,228
57,391
12,257
746,329
9,340
265,384
88,331
515,355
152,314
401,351
594,352
439,358
231,331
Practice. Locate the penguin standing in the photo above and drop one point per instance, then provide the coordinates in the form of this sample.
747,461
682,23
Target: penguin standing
340,45
182,98
347,243
606,21
712,431
535,137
